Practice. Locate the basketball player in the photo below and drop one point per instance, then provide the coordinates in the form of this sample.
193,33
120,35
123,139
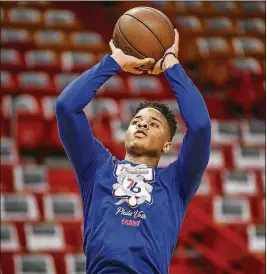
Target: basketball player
132,209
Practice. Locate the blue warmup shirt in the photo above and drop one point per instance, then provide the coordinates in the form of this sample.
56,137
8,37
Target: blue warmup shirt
132,213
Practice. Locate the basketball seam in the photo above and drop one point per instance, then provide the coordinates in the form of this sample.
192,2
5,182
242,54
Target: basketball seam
154,10
148,29
128,41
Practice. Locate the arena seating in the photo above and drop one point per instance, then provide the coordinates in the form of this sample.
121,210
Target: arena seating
45,45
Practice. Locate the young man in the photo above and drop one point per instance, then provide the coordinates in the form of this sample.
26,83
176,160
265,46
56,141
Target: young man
133,210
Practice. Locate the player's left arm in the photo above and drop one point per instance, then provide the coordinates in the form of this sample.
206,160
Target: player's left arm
195,149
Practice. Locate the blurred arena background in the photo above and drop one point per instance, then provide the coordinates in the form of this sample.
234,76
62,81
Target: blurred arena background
45,45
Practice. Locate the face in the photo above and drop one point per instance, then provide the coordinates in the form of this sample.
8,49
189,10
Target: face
148,134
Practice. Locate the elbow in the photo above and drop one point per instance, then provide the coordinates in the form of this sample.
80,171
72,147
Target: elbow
60,106
203,126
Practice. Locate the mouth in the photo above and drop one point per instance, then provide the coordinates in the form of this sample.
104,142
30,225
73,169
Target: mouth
140,132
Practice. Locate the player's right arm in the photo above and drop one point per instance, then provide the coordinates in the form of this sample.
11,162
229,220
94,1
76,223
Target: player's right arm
83,150
74,129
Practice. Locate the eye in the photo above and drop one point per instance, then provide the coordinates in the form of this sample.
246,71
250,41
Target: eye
154,124
134,122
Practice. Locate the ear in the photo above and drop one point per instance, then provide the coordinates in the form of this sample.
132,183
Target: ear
167,147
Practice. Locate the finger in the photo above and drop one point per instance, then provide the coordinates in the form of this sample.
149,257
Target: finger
156,69
136,71
176,39
154,72
144,62
112,46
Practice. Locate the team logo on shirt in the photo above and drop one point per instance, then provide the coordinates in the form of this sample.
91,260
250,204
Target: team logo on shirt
133,184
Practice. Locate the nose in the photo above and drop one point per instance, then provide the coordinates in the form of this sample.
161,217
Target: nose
142,124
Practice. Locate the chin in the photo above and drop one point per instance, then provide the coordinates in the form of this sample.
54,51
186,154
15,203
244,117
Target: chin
136,147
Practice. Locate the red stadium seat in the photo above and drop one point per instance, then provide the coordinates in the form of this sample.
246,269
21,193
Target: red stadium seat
51,39
8,83
238,182
36,83
61,19
62,207
30,179
224,132
48,107
114,87
7,178
25,17
56,162
62,179
256,238
231,210
53,137
190,6
254,8
5,126
10,59
42,59
143,85
224,7
207,187
19,207
44,237
26,103
29,123
76,61
9,152
15,37
102,107
214,47
216,160
189,23
6,106
253,133
248,64
254,26
219,25
249,157
9,238
118,129
75,263
33,262
248,46
73,236
86,40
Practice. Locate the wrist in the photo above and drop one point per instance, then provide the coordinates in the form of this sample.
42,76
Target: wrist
118,59
169,61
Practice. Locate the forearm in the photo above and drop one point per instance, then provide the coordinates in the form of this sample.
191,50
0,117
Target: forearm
81,91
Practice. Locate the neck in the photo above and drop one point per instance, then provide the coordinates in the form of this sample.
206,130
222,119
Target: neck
144,159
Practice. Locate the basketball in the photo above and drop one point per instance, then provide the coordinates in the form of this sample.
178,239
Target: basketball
144,32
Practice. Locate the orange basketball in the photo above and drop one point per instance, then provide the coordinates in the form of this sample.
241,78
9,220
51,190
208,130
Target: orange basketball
144,32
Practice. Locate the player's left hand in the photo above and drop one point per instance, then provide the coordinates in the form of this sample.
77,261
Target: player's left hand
170,60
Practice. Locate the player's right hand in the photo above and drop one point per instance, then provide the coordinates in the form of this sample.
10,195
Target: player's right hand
129,63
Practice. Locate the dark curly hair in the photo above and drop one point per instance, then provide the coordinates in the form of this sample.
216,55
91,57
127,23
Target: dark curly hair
165,110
